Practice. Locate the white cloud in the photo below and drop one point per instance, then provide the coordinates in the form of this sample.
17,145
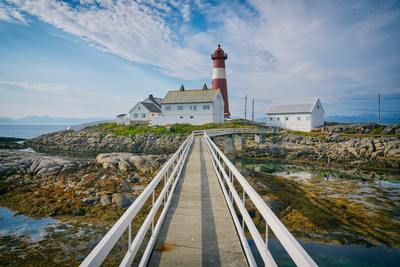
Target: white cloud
11,14
276,48
39,87
55,90
131,30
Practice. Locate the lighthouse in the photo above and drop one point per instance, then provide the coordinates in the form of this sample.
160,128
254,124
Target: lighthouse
219,76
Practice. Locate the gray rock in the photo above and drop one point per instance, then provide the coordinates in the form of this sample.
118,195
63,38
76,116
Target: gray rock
90,201
105,200
123,200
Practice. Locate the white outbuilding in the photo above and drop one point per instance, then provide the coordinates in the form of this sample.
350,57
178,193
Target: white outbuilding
146,110
122,119
299,114
191,106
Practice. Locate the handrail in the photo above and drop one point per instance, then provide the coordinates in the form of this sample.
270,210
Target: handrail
227,173
170,172
228,131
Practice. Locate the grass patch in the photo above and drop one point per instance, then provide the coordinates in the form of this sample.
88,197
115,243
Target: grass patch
301,133
167,130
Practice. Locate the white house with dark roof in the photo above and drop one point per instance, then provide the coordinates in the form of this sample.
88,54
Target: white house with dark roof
146,110
299,114
191,106
122,119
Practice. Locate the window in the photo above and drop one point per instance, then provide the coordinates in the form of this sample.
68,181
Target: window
271,119
180,108
317,106
167,107
135,115
308,118
143,115
193,107
206,107
287,118
299,118
191,117
277,119
181,117
138,108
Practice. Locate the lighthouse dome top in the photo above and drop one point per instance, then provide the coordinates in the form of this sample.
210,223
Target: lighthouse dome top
219,53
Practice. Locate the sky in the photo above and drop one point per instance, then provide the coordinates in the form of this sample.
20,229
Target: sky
97,58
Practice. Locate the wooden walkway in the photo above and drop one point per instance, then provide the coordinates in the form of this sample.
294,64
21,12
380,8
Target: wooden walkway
198,229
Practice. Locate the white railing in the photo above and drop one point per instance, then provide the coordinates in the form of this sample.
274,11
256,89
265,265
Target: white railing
227,131
227,175
169,175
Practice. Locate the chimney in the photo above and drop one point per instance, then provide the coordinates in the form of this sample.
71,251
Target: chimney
182,88
205,86
151,97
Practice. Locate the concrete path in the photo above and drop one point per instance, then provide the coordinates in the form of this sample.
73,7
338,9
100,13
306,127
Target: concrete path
198,229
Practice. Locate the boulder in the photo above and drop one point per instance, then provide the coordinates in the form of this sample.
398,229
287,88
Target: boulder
123,200
90,201
105,200
395,153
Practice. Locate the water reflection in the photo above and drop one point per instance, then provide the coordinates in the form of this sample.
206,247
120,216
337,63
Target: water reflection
21,225
334,255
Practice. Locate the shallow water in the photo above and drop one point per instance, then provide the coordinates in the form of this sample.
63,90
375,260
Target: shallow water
376,198
21,225
29,131
334,255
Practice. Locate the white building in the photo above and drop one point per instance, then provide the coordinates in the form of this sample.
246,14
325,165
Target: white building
191,106
301,115
122,119
145,111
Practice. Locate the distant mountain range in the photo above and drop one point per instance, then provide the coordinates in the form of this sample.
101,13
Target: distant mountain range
46,120
363,118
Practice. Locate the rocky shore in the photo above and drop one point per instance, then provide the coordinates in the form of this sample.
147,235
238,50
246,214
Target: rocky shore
11,143
86,191
38,180
327,148
93,141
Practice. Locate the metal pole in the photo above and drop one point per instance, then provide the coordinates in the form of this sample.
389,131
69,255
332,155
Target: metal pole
245,107
379,108
252,111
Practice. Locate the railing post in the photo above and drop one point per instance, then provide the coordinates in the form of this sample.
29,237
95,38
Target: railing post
152,222
244,204
130,236
165,183
266,234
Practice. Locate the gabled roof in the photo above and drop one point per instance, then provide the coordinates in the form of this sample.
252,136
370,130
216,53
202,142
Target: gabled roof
155,100
190,96
152,107
293,106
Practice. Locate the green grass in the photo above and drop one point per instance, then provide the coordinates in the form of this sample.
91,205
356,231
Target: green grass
310,134
167,130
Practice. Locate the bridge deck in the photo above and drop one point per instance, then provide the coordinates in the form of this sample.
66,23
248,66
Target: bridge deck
198,229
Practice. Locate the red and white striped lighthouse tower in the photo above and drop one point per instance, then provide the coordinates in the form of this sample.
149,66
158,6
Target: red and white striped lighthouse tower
219,76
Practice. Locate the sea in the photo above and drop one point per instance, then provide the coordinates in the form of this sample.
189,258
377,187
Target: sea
29,131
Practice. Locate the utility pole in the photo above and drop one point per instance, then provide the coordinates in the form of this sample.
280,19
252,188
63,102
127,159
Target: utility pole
245,107
252,111
379,108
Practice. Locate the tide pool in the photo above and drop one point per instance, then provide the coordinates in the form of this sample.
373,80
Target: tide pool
21,225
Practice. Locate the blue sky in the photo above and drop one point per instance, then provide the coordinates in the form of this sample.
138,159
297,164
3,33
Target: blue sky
98,58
